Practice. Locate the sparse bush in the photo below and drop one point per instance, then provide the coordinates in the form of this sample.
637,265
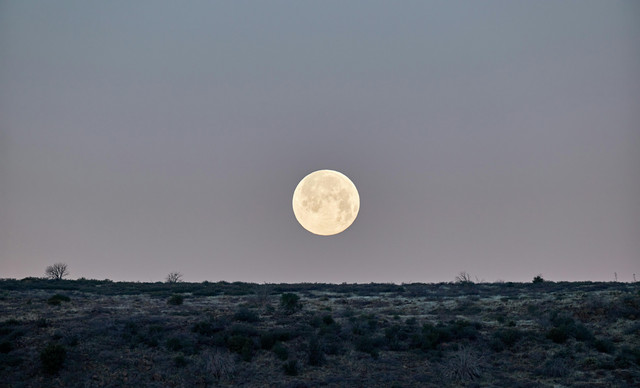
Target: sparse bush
316,356
627,357
174,277
57,299
463,365
604,345
504,339
209,328
179,361
370,345
538,279
52,358
565,327
57,271
555,367
175,299
245,315
291,368
464,278
218,364
558,334
42,323
174,344
290,302
6,347
281,351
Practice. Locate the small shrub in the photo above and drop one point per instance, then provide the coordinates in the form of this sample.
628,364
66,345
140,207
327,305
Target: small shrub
42,323
369,345
556,367
174,344
247,351
175,299
316,356
538,279
6,347
509,336
463,365
52,358
267,340
209,328
57,299
281,351
179,361
604,345
291,368
581,333
290,302
245,315
627,357
218,364
328,320
558,335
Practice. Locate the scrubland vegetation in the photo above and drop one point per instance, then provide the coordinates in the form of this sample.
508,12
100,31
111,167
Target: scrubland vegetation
90,333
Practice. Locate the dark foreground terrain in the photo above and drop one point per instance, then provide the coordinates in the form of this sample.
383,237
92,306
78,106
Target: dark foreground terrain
90,333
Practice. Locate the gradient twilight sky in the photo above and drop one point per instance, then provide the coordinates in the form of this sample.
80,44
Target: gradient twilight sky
497,137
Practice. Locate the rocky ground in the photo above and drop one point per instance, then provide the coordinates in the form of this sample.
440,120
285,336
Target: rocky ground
89,333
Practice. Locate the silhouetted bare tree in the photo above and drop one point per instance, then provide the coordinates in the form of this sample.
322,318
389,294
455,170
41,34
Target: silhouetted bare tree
57,271
174,277
464,278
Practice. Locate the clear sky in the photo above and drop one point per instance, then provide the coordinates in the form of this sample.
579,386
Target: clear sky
498,137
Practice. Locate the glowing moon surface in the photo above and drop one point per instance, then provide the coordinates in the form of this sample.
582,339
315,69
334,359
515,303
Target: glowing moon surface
326,202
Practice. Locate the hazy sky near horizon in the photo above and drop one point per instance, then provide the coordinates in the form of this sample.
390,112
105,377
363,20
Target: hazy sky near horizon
141,137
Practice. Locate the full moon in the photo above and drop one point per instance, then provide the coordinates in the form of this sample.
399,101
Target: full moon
326,202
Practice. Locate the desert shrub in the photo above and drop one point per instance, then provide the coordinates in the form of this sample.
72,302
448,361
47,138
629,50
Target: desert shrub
538,279
396,336
267,340
316,356
558,335
57,299
52,358
504,339
431,336
175,299
174,344
290,302
291,368
328,320
604,345
565,327
242,345
627,357
244,330
42,323
180,361
555,367
218,364
581,333
247,351
463,365
9,361
370,345
209,328
332,344
245,315
236,342
280,351
6,347
134,334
